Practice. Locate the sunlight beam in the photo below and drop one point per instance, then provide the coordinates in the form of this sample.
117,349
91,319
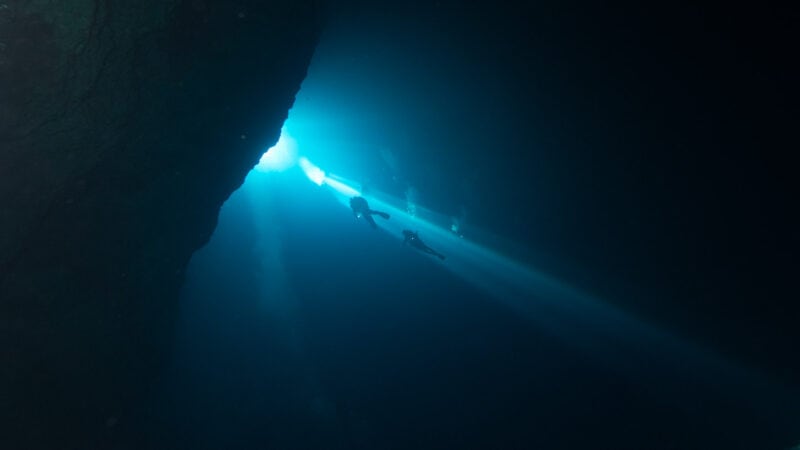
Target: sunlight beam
313,172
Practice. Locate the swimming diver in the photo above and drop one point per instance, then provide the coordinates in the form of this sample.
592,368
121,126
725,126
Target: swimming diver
361,209
412,238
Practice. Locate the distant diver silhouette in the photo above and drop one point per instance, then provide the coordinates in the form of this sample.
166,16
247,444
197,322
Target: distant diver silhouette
361,209
412,239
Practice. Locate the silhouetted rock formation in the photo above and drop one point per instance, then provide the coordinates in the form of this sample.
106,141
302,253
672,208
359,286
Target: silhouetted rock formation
124,126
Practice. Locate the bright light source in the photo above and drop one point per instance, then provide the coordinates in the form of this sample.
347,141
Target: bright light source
313,172
342,187
279,157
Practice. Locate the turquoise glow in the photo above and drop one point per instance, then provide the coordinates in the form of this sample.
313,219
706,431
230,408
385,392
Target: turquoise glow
313,172
339,185
279,157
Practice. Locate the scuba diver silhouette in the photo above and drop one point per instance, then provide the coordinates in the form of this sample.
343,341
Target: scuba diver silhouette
361,209
412,238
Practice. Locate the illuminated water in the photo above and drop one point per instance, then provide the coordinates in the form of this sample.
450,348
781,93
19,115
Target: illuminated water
302,327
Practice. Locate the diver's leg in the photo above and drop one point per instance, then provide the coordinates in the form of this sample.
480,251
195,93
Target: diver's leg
380,213
433,252
368,218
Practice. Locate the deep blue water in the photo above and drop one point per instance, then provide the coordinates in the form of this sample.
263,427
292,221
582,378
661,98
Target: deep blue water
302,327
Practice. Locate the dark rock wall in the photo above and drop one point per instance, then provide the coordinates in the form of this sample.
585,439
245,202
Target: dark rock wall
124,126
